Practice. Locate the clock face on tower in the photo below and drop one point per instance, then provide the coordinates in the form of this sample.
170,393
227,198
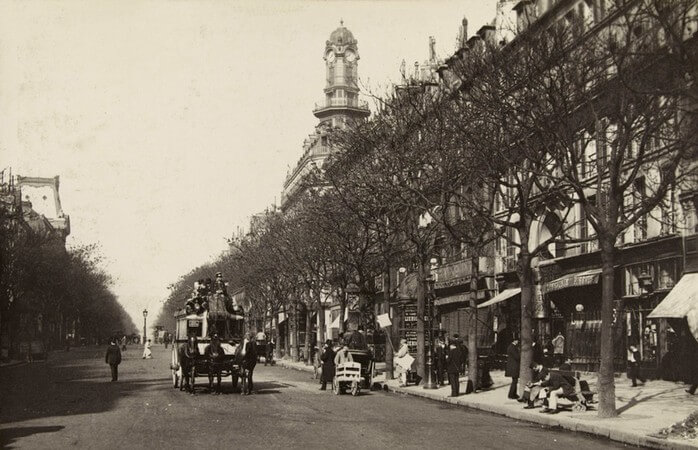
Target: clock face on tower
351,56
330,56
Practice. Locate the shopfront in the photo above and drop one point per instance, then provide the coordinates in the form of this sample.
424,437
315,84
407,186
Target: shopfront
677,317
574,309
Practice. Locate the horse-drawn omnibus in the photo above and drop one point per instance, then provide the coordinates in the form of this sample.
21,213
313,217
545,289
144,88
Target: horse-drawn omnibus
219,319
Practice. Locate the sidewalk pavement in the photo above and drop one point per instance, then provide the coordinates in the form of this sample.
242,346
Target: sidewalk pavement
643,410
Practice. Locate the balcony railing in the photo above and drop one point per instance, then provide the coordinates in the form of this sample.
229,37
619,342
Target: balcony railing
342,102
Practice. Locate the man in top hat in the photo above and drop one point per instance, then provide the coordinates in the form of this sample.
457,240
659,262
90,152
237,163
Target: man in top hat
220,284
328,367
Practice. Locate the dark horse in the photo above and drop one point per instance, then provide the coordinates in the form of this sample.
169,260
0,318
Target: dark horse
216,359
187,361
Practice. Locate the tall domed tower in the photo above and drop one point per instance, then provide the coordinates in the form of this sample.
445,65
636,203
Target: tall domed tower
342,90
340,107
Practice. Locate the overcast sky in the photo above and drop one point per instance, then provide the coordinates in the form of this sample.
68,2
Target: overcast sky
171,122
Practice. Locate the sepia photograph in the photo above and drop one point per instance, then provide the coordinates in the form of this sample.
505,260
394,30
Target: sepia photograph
375,224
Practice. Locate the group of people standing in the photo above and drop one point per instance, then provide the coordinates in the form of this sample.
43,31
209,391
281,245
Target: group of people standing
450,360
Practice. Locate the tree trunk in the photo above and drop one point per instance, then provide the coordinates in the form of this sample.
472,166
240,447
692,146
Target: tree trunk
287,337
308,334
294,333
422,271
606,384
388,331
472,328
526,339
320,319
277,335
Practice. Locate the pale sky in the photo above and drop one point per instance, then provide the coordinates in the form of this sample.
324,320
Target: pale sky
171,122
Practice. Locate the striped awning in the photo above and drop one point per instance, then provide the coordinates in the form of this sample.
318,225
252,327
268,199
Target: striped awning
506,294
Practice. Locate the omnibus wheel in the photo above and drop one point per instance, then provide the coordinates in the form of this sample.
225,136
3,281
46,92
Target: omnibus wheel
355,388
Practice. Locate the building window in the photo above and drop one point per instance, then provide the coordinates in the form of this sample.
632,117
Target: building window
664,275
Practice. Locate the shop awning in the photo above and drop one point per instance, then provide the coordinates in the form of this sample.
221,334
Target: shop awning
680,300
457,298
585,278
506,294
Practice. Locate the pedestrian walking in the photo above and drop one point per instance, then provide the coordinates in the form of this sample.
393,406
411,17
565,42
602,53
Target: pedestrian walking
147,354
269,354
512,367
634,365
123,344
113,358
454,361
328,368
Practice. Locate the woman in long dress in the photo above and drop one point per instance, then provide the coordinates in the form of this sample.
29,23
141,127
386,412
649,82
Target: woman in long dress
147,354
402,371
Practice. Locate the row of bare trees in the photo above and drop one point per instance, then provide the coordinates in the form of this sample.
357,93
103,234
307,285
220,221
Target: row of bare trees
593,125
49,292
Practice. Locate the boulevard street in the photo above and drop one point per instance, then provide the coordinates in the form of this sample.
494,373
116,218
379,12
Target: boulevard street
70,402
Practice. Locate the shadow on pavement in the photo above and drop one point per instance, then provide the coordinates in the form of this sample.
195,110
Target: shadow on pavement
636,399
74,383
260,387
10,435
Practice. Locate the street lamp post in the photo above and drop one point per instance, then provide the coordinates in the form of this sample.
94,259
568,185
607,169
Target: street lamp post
145,316
430,383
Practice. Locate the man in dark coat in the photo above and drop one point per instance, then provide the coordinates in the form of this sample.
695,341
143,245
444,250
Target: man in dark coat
269,354
327,359
558,386
113,358
454,361
440,360
512,368
463,352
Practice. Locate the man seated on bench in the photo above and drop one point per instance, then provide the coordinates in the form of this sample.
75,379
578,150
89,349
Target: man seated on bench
558,386
534,390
